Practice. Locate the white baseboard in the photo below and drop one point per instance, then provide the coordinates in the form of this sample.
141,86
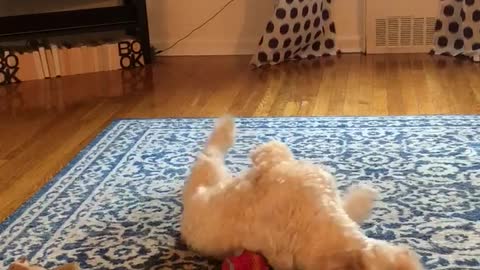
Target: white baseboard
350,44
207,47
347,44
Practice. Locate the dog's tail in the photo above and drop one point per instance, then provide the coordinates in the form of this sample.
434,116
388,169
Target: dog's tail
358,202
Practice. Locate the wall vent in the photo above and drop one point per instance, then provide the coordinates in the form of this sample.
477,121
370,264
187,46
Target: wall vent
404,31
400,26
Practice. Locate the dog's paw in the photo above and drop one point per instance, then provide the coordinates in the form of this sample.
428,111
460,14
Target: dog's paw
223,135
270,154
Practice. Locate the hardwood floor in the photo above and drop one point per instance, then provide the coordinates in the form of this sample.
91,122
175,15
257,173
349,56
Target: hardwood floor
44,124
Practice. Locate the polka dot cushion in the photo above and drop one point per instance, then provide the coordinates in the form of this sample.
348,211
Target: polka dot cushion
298,29
458,28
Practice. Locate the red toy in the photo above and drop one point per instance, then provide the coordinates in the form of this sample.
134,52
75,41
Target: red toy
246,261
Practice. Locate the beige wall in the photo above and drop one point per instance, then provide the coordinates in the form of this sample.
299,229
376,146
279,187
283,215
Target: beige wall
349,16
235,31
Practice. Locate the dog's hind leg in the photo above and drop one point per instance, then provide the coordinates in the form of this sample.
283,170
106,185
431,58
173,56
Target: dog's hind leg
270,154
221,139
210,166
358,202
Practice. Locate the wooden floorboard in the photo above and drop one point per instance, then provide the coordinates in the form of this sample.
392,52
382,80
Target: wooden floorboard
44,124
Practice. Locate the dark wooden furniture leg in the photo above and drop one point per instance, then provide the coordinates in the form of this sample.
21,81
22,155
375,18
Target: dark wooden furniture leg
142,31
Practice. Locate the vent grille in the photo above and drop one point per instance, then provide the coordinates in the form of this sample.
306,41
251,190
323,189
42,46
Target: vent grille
418,32
430,30
404,31
393,33
381,32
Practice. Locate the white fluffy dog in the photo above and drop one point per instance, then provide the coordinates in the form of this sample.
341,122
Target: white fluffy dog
289,211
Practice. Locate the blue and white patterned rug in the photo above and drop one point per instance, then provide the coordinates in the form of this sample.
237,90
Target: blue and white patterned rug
117,204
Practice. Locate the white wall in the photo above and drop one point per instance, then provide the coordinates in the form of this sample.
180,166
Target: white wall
235,31
350,24
238,28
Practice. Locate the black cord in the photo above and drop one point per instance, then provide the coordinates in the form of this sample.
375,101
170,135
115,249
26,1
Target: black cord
197,28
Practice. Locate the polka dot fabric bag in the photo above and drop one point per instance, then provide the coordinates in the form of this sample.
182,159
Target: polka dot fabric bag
298,29
458,28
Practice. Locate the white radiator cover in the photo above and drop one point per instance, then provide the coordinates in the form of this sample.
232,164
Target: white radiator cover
400,26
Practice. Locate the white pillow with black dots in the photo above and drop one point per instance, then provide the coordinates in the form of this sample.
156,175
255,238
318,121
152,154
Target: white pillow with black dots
298,29
458,28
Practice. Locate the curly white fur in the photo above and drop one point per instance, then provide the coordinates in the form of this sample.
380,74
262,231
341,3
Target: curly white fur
290,211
